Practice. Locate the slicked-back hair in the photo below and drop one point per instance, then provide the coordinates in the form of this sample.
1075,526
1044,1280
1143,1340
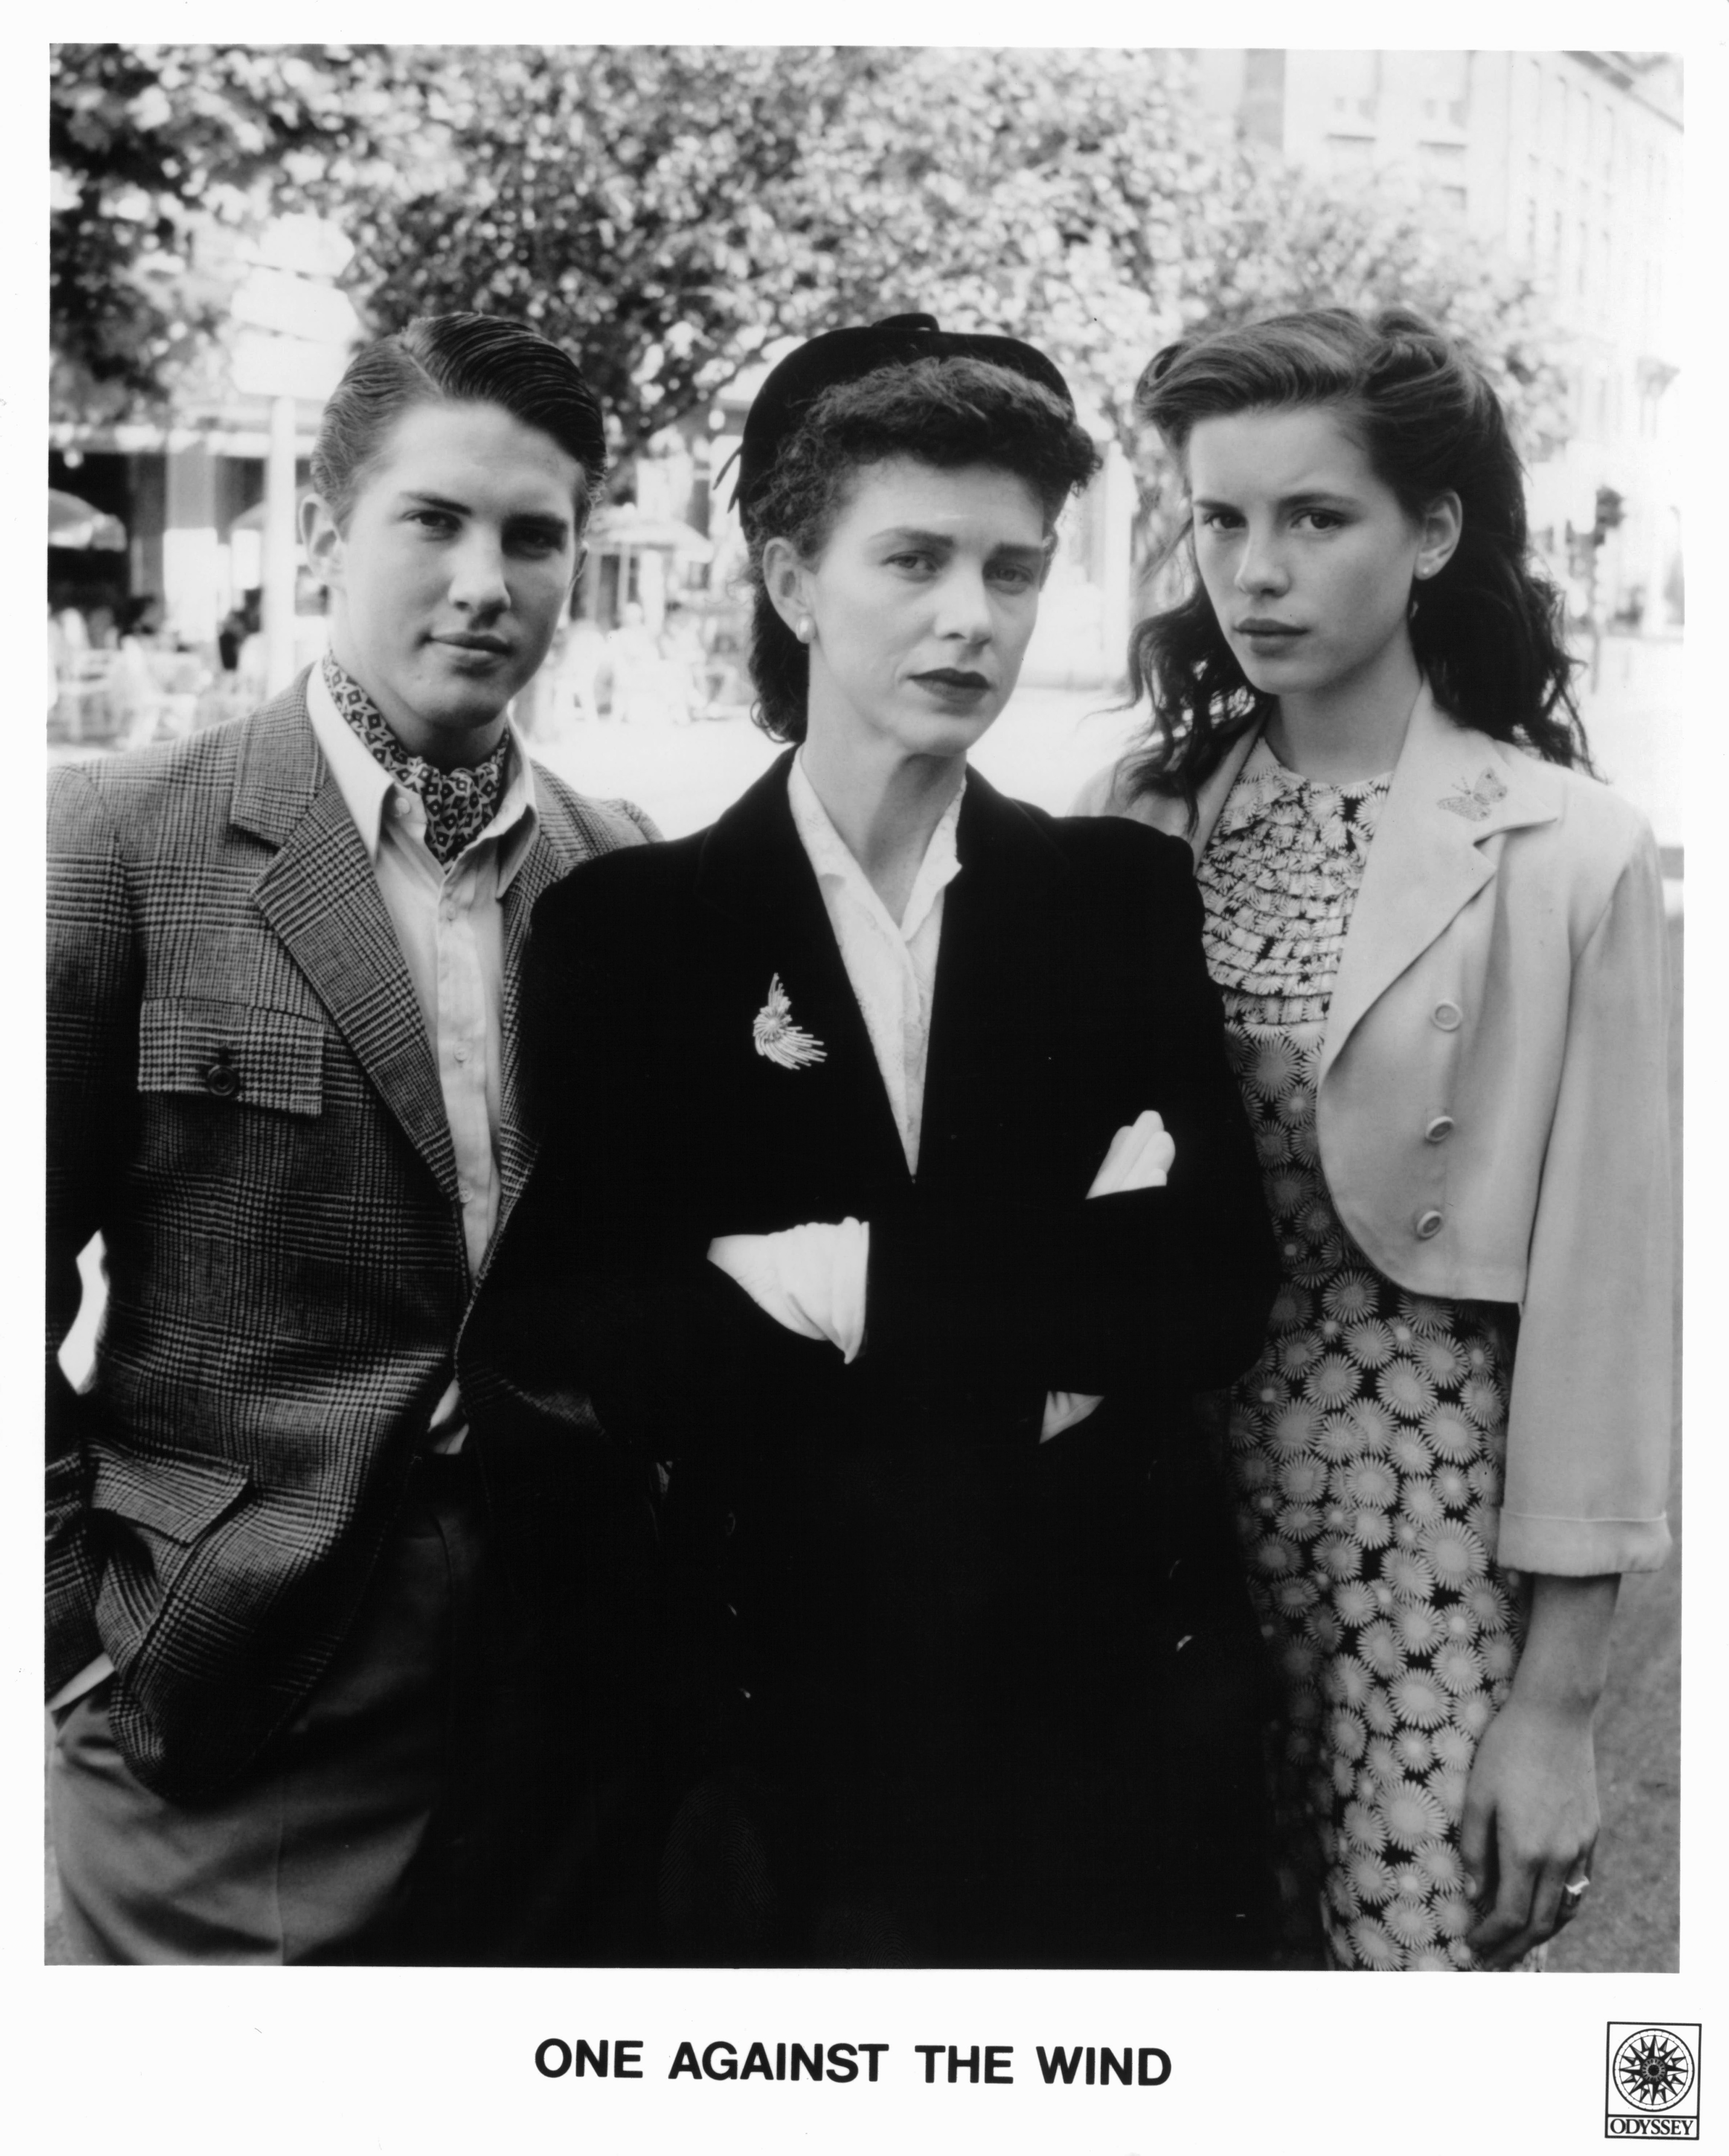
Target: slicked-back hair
455,359
1486,627
947,413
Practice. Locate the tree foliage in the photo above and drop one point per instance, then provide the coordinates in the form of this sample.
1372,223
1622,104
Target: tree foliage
653,206
669,212
155,152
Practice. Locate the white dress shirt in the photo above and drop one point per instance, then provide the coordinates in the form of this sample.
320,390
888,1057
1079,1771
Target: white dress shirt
891,965
449,922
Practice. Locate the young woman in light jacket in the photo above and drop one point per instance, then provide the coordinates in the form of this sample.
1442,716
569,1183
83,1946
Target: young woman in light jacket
1441,945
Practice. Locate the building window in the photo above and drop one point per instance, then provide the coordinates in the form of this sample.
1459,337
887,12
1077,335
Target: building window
1441,168
1347,151
1445,80
1531,76
1357,85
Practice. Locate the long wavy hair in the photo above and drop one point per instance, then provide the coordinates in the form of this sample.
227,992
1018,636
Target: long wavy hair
949,413
1487,631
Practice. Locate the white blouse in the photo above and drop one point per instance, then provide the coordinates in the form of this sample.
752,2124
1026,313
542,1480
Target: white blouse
891,965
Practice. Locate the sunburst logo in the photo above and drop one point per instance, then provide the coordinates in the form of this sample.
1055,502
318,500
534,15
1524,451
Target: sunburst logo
1652,2081
1652,2069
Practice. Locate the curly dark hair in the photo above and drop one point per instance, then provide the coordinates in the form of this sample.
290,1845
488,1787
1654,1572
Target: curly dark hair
1487,632
948,413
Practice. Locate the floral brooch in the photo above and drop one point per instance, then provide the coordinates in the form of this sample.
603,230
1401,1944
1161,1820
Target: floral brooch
773,1033
1474,803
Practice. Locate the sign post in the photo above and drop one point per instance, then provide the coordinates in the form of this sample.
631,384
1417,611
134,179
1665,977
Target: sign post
295,333
281,548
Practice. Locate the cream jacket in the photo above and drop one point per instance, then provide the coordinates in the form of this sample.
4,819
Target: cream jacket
1492,1108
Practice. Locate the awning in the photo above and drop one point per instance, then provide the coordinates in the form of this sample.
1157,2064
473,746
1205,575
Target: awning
253,519
72,522
622,526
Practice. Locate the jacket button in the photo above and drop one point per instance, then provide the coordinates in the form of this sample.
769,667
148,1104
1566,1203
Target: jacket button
1428,1223
1440,1128
221,1077
1447,1015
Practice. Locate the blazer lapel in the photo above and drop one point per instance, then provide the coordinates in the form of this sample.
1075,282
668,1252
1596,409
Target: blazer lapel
321,897
754,869
1453,790
543,865
994,1003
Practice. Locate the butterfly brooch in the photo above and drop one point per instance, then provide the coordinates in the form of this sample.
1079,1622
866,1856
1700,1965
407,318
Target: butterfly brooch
1475,802
773,1033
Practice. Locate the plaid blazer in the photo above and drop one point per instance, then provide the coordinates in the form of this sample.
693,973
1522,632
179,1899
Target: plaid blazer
243,1101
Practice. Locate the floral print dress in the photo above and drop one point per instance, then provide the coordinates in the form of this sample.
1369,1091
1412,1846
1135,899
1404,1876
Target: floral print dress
1365,1445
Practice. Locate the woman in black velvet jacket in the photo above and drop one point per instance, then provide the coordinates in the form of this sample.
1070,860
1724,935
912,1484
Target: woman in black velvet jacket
961,1666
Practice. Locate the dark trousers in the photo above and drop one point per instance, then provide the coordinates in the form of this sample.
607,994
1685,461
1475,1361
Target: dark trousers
430,1803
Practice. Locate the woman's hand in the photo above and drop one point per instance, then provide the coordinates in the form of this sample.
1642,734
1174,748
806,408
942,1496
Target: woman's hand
1531,1816
1531,1824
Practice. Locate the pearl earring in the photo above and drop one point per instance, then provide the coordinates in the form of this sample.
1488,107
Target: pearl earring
805,628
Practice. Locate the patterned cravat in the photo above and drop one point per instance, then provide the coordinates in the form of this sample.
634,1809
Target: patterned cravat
459,803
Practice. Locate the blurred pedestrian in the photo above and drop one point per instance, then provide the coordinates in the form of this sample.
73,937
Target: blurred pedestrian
635,657
685,664
134,691
582,665
241,621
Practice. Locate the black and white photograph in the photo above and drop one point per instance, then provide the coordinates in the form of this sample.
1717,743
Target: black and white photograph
865,880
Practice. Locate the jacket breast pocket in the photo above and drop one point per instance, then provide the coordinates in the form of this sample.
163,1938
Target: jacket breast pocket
231,1051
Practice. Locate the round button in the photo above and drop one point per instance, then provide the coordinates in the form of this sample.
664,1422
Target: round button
1448,1015
1439,1127
1428,1223
221,1078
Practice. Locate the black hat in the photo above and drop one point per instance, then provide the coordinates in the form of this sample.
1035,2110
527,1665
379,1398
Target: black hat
846,355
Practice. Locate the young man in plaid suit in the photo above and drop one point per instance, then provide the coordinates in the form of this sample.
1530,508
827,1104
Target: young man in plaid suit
345,1635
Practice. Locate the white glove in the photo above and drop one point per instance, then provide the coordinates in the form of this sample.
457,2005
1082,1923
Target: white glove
809,1279
1138,1158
